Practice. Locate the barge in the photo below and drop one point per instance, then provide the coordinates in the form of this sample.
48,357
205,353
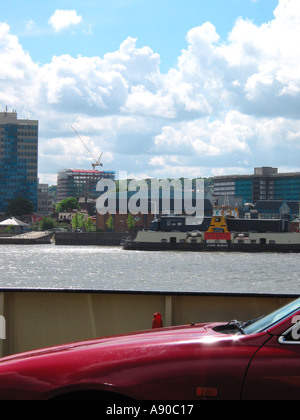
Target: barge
216,234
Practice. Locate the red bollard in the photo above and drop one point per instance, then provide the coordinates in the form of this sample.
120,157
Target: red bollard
157,321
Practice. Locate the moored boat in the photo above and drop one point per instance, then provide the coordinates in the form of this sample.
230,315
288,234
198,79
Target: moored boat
173,234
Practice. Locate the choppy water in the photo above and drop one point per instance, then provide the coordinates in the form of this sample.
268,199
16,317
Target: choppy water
104,268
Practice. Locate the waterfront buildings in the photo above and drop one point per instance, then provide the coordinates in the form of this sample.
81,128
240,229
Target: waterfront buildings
142,220
274,209
265,184
79,183
45,200
13,225
18,159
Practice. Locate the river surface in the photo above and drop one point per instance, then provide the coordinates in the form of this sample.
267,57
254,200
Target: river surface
109,268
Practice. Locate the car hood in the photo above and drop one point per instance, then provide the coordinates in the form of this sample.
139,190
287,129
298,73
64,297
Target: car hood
199,332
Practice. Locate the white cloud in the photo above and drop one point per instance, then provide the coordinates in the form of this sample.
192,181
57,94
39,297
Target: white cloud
29,24
62,19
206,138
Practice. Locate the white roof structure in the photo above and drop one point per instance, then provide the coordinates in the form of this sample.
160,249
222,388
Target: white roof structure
13,222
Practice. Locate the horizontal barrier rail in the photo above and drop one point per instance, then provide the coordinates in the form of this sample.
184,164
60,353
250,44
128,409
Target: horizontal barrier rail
41,318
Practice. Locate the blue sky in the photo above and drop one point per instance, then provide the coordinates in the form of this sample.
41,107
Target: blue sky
163,88
162,25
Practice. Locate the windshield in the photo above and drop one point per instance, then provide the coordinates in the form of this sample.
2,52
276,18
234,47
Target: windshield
267,321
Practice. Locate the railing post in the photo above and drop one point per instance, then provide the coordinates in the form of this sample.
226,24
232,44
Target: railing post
168,311
2,324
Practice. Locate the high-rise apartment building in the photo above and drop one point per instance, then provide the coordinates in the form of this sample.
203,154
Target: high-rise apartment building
18,159
265,184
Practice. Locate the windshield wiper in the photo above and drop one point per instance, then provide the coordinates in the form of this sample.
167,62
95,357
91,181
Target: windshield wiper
238,325
252,321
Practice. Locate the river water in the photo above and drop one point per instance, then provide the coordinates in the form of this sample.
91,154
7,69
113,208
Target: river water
109,268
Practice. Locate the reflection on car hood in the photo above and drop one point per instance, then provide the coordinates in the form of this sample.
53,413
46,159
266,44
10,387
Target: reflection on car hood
164,336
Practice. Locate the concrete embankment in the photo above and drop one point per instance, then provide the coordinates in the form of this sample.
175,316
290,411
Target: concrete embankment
92,238
29,238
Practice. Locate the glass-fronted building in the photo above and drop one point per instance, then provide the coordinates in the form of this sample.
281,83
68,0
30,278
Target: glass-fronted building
286,187
18,159
265,184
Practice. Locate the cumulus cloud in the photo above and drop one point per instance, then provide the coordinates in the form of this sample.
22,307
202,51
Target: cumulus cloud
19,75
208,138
225,102
62,19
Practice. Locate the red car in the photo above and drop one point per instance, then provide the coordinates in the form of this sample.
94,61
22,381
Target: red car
259,359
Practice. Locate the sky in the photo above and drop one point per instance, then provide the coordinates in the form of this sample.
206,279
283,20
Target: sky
168,88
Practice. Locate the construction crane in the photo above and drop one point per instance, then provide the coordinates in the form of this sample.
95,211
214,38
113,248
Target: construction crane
97,161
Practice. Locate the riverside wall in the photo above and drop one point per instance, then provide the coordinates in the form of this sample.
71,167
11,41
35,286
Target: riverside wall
91,238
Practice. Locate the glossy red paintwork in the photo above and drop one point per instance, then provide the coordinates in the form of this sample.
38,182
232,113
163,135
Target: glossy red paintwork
182,363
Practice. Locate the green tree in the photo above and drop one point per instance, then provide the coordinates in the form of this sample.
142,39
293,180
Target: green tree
10,229
67,205
47,223
89,225
19,207
130,222
78,221
110,223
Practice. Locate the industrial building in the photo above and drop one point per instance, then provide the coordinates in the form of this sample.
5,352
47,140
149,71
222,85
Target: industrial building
79,183
265,184
18,159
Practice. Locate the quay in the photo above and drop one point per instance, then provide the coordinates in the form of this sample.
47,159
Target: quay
89,238
37,318
28,238
65,238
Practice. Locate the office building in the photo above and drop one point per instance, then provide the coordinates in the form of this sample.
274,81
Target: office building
265,184
18,159
79,183
45,200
